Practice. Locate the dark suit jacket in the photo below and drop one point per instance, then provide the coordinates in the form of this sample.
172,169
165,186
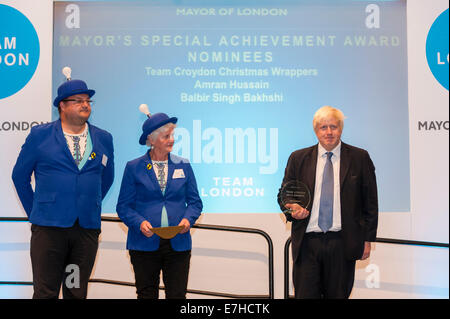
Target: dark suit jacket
358,190
63,193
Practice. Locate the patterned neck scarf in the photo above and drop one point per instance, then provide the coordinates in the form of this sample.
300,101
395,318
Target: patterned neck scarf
161,174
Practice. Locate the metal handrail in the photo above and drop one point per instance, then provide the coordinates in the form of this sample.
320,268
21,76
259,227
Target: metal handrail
378,240
286,268
200,292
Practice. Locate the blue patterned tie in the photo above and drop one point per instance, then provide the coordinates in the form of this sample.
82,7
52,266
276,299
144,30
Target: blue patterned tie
162,184
77,152
161,176
326,196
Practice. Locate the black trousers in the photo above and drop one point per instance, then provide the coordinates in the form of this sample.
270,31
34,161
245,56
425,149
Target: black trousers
62,256
148,265
322,271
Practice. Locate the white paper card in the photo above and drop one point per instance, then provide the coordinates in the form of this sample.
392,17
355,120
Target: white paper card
104,160
178,173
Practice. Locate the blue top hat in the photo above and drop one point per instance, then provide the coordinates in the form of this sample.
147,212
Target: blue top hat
154,122
72,87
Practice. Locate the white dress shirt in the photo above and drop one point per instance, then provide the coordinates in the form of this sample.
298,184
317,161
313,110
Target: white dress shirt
83,141
313,225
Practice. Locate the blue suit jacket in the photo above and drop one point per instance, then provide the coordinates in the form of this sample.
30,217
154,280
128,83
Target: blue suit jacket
63,193
141,199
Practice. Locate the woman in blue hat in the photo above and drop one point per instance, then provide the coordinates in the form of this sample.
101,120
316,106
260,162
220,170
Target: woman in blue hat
159,190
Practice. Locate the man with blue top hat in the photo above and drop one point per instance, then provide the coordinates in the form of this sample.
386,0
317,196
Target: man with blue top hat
159,190
73,165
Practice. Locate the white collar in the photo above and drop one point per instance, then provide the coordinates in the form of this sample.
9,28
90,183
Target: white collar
336,151
82,134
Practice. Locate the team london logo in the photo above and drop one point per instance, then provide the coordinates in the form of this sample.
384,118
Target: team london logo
437,49
19,51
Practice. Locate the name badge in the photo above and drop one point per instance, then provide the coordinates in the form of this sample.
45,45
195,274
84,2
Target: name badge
178,173
104,160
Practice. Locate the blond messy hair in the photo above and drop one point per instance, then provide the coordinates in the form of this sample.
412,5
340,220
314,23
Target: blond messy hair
327,112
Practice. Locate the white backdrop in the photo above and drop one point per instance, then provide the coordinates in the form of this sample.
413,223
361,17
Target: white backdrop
220,260
30,105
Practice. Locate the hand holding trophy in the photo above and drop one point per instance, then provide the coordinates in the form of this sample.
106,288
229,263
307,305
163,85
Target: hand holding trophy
295,196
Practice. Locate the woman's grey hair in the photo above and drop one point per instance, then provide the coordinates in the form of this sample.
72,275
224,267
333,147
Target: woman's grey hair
154,135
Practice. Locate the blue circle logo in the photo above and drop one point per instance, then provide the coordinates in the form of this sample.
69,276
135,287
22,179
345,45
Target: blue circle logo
19,51
437,49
